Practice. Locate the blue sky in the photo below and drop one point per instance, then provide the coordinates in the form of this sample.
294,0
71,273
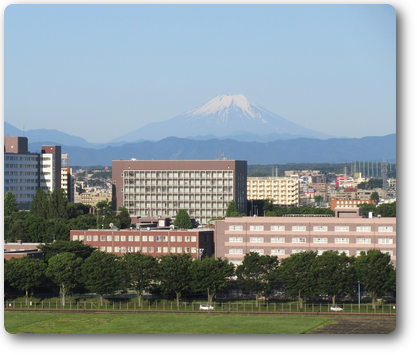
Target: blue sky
99,71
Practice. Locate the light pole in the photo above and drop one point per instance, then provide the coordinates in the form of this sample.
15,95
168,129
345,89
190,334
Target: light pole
359,295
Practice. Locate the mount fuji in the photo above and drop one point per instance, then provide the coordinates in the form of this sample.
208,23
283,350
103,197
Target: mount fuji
225,116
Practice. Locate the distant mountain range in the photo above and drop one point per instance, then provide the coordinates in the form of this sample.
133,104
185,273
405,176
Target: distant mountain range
229,124
300,150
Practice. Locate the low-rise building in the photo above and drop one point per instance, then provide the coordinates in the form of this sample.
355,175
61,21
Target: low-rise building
20,249
347,232
336,203
152,241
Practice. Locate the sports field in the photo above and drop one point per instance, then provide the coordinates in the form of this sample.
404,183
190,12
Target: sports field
158,323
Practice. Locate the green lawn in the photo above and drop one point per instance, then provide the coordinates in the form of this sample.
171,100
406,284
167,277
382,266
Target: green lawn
157,323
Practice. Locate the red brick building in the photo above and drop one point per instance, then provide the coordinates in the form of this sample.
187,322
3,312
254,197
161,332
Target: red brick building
335,202
20,249
156,242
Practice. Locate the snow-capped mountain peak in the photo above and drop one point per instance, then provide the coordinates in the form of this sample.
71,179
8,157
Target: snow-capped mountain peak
222,104
225,115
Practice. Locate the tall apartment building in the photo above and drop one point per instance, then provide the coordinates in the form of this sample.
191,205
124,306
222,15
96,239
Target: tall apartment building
347,232
284,191
67,180
25,172
161,187
50,167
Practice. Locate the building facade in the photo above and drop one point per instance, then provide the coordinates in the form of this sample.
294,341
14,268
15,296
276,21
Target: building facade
67,179
283,191
160,188
50,168
93,197
25,172
20,249
347,232
156,242
335,203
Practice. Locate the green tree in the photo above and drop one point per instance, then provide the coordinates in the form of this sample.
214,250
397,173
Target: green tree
102,274
141,271
387,209
58,202
36,228
105,215
211,275
375,196
13,230
232,209
182,220
25,273
367,207
254,274
298,275
374,270
65,271
10,204
174,274
335,274
75,247
75,210
124,218
40,204
318,199
268,205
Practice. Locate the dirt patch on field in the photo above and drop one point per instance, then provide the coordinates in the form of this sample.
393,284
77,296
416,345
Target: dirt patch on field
358,325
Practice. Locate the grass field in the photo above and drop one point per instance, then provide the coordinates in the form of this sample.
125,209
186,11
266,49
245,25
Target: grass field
157,323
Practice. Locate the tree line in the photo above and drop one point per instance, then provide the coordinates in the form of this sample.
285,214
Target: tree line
52,217
72,267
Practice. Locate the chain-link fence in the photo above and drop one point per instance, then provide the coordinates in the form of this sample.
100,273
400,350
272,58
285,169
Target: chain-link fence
166,305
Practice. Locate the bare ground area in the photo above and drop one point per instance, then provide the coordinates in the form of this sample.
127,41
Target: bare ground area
358,325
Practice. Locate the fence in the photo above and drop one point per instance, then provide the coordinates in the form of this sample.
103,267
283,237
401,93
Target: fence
146,305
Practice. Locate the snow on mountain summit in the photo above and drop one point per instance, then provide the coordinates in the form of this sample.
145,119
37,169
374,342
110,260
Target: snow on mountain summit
222,105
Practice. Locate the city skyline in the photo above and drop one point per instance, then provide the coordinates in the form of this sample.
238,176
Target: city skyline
81,69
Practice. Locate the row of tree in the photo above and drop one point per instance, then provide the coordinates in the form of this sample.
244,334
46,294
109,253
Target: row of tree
74,267
52,217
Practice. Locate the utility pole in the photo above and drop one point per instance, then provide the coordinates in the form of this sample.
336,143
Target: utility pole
384,178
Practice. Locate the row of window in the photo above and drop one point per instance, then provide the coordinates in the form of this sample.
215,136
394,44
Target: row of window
136,238
8,157
315,240
144,250
178,174
20,166
21,173
315,228
294,251
22,181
